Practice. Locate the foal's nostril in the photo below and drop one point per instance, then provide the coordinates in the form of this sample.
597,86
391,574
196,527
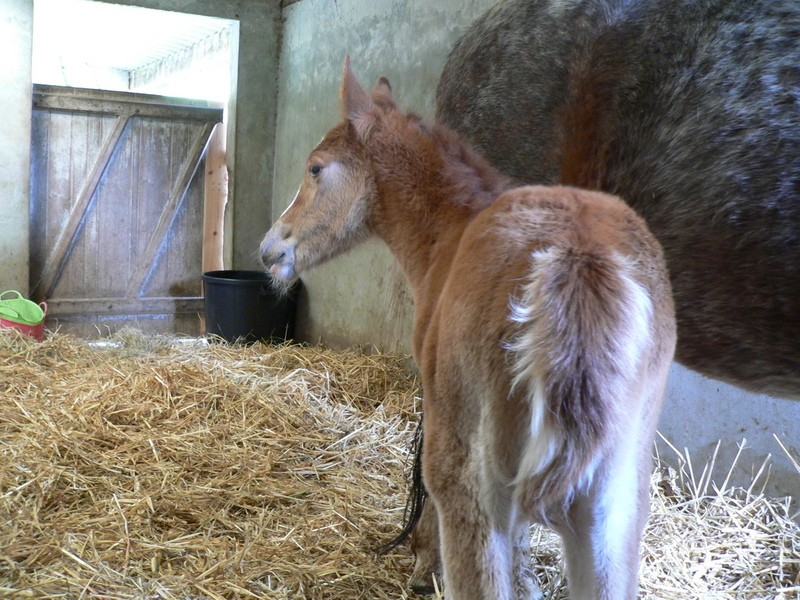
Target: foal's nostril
269,258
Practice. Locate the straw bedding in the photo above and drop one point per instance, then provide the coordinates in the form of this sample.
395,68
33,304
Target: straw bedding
163,468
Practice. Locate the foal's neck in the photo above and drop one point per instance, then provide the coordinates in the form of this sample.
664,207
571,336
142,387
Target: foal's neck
430,185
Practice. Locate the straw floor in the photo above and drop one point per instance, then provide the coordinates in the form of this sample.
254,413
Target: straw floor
153,467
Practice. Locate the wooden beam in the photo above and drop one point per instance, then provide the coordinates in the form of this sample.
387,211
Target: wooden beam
108,102
216,197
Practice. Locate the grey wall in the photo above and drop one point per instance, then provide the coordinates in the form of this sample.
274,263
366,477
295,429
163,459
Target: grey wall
360,298
16,39
699,412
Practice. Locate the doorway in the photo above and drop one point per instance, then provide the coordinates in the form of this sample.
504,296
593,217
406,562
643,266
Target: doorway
125,184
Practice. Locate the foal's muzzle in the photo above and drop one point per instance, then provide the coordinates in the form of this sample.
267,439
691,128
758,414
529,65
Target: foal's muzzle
277,253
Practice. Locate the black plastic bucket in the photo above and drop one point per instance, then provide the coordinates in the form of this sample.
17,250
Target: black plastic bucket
243,306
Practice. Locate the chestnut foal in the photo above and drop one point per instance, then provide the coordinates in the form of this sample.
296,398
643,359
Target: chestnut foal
544,330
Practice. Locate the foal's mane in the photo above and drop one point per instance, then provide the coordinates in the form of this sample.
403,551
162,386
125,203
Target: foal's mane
469,179
474,180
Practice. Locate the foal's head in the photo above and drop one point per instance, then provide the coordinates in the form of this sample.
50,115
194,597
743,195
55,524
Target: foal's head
332,210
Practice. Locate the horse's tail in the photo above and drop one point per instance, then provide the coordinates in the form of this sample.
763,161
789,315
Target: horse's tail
585,322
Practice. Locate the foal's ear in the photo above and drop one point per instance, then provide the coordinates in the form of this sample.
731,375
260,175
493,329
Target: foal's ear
382,92
355,101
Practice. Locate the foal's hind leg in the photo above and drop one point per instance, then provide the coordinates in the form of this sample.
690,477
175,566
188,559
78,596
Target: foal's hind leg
477,558
525,583
476,552
485,555
487,562
604,530
425,547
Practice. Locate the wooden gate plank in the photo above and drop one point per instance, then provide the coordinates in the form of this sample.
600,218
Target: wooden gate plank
147,262
66,238
126,306
67,99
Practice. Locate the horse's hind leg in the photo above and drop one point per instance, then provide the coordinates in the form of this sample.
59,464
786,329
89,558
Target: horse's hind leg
427,563
525,583
477,557
425,547
485,552
483,560
603,532
476,550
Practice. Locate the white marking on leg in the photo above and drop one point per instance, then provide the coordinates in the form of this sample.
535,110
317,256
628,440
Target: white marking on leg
617,514
498,565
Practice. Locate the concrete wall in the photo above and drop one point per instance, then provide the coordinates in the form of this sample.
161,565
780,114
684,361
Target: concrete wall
699,412
361,298
16,39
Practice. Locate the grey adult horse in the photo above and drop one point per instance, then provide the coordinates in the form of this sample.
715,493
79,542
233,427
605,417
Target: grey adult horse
690,111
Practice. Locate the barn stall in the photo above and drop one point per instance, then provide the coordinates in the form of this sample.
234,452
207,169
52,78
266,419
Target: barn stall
151,466
157,467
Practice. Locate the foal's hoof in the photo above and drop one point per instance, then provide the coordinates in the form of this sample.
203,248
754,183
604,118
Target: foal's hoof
422,586
423,589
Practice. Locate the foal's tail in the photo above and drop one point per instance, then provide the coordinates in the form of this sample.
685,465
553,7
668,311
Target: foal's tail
585,324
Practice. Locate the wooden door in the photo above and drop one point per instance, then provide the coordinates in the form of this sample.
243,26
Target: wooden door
117,209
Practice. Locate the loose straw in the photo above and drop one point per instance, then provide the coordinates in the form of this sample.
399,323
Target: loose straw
159,467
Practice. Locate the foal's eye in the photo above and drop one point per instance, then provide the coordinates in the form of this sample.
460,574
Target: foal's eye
314,170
